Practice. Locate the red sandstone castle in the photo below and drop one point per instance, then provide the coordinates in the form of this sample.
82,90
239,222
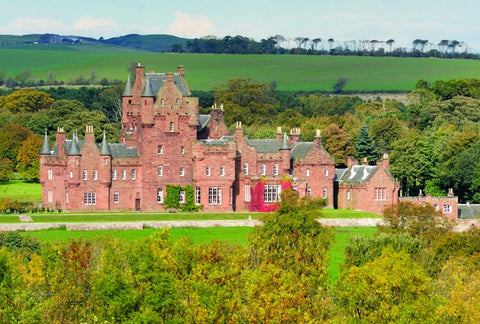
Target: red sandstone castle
166,141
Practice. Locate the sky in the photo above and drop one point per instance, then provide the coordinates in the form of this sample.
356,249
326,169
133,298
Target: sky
343,20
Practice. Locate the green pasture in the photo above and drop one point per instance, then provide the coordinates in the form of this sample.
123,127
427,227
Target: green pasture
207,71
234,235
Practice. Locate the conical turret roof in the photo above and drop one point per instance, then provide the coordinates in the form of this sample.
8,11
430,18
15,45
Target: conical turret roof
104,148
285,145
45,150
148,92
74,149
127,92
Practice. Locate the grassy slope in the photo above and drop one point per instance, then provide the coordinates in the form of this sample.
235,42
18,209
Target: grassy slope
204,72
21,191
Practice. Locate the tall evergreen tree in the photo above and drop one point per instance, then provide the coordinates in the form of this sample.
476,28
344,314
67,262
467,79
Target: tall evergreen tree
364,146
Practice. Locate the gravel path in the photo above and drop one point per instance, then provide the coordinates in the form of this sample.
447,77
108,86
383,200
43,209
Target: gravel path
462,224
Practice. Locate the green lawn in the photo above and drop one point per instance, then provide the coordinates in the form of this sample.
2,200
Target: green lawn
205,72
21,190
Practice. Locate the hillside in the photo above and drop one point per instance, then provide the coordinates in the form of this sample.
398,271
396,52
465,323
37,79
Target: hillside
207,71
150,43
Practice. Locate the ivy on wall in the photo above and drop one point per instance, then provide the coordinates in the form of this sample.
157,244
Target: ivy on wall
172,200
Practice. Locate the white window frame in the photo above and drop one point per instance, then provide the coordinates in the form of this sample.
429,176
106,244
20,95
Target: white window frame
182,171
197,195
325,192
326,172
208,170
275,169
172,127
181,197
124,174
160,149
182,150
349,194
271,193
248,194
160,170
50,196
50,174
90,198
245,168
95,175
84,175
134,174
307,172
263,169
447,209
114,174
116,197
214,196
222,170
159,195
309,192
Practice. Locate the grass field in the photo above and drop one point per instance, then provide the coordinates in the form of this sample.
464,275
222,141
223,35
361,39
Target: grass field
21,191
205,72
234,235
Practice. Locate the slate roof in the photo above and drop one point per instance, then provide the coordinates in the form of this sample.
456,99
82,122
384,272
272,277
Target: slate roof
128,88
357,173
45,150
300,150
203,122
468,211
117,150
266,145
154,81
221,141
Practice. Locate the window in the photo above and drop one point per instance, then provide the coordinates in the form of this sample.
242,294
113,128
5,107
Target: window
214,195
436,206
197,195
134,174
248,194
85,176
181,196
115,197
349,195
50,196
380,194
71,174
160,149
106,161
309,192
271,193
222,170
245,168
182,150
50,174
160,170
326,172
160,196
182,171
447,209
90,198
177,101
114,174
172,126
263,169
325,193
207,171
95,175
124,174
275,169
308,172
162,102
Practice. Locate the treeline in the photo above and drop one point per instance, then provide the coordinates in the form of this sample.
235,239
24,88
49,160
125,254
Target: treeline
416,270
319,46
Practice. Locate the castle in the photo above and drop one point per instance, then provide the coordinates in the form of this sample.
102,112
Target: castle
165,142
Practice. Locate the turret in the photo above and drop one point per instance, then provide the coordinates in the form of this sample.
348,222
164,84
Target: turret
45,150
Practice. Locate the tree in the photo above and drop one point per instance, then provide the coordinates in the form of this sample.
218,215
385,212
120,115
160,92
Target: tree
27,158
339,85
364,146
338,143
417,220
386,131
390,44
392,288
11,139
246,100
26,100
